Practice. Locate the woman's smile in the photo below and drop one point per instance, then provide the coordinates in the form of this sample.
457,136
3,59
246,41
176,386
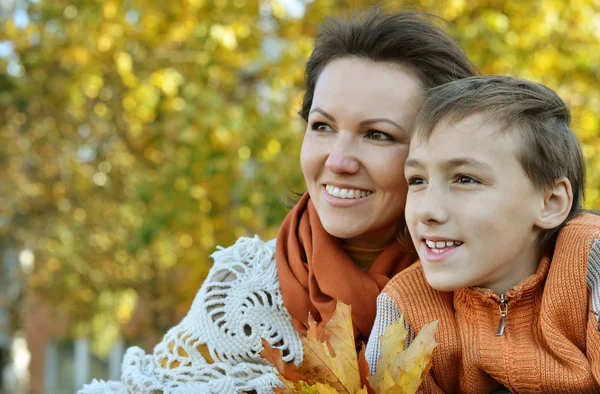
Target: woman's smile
340,198
346,192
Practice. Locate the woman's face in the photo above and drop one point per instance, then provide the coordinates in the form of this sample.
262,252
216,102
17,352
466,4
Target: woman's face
355,146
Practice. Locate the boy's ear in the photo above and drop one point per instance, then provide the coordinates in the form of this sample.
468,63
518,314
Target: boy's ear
557,204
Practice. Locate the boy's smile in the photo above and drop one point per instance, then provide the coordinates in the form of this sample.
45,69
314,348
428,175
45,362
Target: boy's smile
438,250
471,209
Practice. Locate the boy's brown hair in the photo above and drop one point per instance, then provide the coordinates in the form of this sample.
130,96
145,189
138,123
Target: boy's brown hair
549,150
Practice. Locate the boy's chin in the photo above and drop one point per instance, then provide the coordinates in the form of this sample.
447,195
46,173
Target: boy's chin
441,283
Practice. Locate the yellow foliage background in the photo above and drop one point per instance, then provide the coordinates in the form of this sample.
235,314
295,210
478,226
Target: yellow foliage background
137,136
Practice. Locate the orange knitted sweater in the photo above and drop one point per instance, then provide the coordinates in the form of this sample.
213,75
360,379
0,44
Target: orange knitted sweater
551,342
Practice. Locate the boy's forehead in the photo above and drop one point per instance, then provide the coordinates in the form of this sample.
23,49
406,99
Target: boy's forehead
475,126
475,133
476,122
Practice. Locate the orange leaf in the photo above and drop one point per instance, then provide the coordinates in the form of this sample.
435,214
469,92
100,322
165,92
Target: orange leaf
333,365
364,372
288,371
316,332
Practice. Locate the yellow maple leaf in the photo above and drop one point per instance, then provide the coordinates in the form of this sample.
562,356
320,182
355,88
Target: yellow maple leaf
402,371
331,364
337,357
388,368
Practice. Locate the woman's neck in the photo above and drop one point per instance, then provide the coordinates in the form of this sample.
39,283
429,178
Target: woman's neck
363,257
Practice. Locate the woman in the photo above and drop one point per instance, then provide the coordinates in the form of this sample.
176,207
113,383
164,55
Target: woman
364,83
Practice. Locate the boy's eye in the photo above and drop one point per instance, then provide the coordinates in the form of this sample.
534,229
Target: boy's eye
378,135
321,127
466,179
416,180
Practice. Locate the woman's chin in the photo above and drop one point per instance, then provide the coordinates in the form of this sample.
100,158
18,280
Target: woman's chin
360,237
343,232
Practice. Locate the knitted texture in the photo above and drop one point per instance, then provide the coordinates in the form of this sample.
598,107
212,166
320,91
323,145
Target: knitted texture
552,339
215,348
387,313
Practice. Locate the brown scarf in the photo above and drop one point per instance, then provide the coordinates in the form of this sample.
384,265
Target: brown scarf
314,271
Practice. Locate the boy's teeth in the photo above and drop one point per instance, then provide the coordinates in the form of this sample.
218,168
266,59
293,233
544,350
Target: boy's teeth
346,193
436,245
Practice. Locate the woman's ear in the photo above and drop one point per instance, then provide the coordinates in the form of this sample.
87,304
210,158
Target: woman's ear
557,204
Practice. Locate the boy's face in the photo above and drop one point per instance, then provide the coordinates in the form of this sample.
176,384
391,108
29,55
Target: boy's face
471,208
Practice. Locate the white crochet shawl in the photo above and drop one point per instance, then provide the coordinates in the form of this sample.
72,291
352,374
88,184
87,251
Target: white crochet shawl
238,303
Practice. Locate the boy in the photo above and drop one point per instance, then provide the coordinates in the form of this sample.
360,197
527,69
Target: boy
508,263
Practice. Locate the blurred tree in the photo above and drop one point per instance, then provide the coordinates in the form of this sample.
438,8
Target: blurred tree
136,136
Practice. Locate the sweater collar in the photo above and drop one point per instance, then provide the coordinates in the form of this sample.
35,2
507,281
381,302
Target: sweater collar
525,289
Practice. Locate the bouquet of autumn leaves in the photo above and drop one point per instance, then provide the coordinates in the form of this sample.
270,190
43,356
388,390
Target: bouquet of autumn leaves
334,366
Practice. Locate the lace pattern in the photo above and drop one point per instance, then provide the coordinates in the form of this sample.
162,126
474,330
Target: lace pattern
215,348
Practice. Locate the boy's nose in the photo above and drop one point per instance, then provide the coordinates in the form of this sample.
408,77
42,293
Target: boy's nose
342,158
431,207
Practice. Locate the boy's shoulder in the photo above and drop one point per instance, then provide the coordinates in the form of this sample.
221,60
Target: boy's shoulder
411,275
576,259
586,219
573,284
410,288
579,234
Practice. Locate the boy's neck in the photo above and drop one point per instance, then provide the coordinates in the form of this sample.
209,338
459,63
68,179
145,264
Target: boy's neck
527,266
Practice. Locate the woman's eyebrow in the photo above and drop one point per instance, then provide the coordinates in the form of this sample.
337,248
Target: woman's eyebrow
377,120
324,113
363,123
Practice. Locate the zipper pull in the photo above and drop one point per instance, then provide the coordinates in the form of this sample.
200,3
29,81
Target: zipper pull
503,307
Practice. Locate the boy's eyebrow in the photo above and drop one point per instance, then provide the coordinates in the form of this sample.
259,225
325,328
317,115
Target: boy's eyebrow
413,163
466,161
448,164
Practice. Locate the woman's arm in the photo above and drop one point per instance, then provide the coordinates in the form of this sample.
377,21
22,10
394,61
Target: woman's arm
216,346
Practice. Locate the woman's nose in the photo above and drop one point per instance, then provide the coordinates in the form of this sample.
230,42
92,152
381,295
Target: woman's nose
342,157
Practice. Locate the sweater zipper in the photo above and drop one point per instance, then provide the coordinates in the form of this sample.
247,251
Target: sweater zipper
503,307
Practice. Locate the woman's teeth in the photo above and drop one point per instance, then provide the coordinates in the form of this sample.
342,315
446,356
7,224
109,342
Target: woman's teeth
346,193
440,246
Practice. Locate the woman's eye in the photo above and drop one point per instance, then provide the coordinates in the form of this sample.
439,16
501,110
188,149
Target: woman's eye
466,179
321,127
378,135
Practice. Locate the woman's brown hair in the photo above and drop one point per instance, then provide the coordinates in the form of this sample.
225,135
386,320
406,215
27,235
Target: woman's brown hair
406,38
